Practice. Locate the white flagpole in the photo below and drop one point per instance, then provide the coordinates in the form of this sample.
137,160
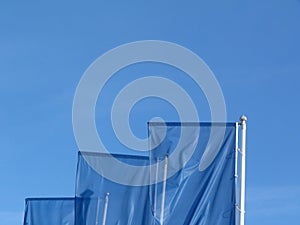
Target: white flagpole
156,184
236,172
162,210
243,170
105,209
97,212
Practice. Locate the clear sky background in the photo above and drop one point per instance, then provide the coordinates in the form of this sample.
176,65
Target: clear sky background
252,47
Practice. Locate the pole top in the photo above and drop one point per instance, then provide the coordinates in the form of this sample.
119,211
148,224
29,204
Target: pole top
243,118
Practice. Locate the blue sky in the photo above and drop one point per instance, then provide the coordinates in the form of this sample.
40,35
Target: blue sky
252,47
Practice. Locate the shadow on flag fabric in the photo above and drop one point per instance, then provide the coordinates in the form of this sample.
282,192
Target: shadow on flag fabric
49,211
195,177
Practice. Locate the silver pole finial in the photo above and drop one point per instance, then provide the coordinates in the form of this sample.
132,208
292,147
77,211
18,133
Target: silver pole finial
243,118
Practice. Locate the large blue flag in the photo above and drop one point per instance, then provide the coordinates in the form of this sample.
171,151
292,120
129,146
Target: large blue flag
49,211
194,173
188,179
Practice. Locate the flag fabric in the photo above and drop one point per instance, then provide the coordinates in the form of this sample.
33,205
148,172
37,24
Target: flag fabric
190,180
199,187
102,201
49,211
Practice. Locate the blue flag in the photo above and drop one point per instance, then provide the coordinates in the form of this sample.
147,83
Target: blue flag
195,173
49,211
102,201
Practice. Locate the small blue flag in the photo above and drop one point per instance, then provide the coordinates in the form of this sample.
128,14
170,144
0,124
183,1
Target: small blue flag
49,211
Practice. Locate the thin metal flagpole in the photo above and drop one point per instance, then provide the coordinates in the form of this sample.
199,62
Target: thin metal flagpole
162,210
105,209
97,212
236,172
156,184
243,170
